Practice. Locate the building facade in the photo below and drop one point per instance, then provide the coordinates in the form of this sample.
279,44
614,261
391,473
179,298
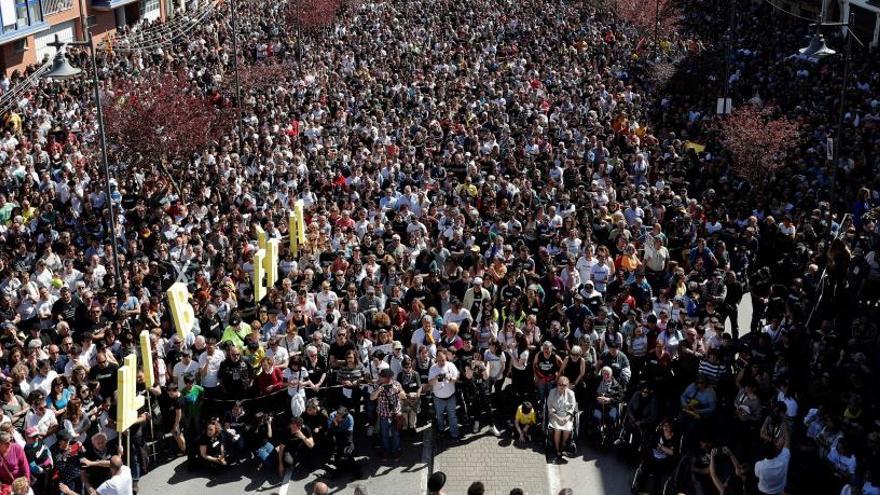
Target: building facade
866,14
28,26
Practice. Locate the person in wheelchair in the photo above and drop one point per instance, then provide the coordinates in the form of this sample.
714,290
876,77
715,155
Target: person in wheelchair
617,361
642,413
698,404
659,460
608,396
561,410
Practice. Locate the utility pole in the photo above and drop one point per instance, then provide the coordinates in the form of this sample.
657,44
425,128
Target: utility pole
237,81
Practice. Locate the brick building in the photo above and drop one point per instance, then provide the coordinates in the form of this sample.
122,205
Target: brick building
27,26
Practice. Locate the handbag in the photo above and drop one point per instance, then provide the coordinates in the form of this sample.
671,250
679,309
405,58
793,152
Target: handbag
399,421
265,451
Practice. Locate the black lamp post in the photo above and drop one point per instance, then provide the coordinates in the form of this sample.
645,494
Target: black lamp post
240,126
819,50
61,69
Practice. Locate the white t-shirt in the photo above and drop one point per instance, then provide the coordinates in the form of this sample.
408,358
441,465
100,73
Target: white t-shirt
446,388
211,378
292,376
181,369
599,274
773,473
418,337
119,484
453,317
42,424
279,355
585,267
44,383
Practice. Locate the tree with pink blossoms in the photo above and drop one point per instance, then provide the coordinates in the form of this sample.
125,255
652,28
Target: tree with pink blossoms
758,140
307,16
160,120
643,14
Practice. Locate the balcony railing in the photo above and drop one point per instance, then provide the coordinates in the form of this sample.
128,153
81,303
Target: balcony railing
54,6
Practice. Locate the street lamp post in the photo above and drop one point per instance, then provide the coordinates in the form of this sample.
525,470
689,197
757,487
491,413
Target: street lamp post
838,133
237,81
817,49
728,57
61,69
657,27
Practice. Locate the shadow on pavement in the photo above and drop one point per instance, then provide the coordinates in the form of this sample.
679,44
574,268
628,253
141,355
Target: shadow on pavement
258,478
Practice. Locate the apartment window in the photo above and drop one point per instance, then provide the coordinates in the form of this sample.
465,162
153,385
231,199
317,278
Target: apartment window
21,14
35,12
20,46
148,6
26,14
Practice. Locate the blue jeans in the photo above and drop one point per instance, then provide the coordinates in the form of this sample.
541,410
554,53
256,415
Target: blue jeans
544,388
446,406
390,435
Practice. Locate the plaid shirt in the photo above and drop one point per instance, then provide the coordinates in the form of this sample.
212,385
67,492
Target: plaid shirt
388,402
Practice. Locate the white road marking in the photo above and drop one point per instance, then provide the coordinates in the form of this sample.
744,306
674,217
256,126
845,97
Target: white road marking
285,483
553,481
427,451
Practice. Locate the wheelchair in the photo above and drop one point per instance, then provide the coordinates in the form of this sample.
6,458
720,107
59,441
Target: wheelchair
609,428
631,439
570,449
662,483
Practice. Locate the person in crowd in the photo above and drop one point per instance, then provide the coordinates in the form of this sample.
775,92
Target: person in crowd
442,378
411,383
120,482
526,417
389,396
13,460
561,408
570,191
340,430
294,445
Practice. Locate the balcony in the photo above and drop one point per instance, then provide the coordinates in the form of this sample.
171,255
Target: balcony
55,6
106,5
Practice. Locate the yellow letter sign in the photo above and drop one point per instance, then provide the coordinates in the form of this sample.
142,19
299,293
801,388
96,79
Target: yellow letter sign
300,222
181,312
291,233
147,358
270,262
259,271
128,401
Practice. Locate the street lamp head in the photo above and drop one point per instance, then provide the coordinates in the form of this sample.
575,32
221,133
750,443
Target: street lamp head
61,68
817,48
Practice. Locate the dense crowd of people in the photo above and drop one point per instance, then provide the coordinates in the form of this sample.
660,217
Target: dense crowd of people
498,240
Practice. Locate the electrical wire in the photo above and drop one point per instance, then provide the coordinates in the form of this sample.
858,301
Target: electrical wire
162,40
10,98
792,14
157,39
161,30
